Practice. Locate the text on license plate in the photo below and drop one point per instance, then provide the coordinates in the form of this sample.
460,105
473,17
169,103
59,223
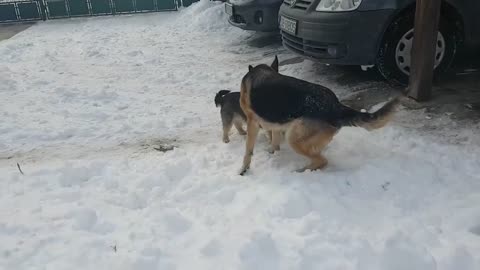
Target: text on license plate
288,25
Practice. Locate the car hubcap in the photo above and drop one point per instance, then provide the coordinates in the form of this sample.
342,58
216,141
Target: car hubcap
404,49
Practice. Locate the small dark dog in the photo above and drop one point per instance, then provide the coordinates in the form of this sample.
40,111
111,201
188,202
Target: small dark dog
231,112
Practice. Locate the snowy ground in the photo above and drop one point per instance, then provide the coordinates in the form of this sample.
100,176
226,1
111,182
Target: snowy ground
85,102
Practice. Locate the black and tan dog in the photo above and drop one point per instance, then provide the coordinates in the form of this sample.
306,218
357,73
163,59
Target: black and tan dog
233,115
310,114
230,112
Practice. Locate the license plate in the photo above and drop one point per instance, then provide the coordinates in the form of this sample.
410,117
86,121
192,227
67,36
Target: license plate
229,9
288,25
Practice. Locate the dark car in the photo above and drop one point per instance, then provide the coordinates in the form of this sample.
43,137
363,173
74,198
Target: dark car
257,15
374,32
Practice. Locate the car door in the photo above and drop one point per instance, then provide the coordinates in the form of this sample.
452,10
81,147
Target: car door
469,10
474,21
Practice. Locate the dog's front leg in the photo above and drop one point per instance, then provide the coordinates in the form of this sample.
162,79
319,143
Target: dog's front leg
252,132
275,142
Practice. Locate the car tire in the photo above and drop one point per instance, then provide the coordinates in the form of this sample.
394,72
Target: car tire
390,56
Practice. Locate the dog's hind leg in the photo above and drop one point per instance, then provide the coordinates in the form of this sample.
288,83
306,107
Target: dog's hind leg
227,121
276,137
269,136
309,140
238,126
252,132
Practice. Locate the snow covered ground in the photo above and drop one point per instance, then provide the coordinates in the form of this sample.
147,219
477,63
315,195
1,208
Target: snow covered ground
85,102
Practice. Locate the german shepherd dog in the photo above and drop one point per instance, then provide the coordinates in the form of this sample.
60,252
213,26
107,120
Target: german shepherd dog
310,114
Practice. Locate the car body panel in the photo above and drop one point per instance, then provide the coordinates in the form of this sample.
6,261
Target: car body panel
359,33
247,12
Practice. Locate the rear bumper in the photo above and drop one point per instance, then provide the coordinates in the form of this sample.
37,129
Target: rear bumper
255,15
348,38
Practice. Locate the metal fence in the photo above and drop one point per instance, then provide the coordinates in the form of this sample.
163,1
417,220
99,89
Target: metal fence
75,8
31,10
23,10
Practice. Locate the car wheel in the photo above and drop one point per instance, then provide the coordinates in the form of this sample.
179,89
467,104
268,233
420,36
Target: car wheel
394,60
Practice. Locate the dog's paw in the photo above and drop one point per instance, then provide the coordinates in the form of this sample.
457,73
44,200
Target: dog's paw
272,149
242,132
226,140
243,170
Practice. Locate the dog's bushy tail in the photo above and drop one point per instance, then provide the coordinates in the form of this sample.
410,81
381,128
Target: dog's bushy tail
219,97
369,121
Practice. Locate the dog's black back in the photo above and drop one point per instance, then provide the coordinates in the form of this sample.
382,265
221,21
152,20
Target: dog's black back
279,99
229,103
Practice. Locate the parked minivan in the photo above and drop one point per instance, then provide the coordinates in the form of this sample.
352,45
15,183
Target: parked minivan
374,32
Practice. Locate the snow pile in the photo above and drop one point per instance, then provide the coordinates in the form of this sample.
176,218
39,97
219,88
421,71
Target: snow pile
206,16
113,123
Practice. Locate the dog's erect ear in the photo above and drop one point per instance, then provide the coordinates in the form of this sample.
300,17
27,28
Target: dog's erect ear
275,64
250,67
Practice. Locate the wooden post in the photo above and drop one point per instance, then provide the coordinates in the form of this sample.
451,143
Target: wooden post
427,15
